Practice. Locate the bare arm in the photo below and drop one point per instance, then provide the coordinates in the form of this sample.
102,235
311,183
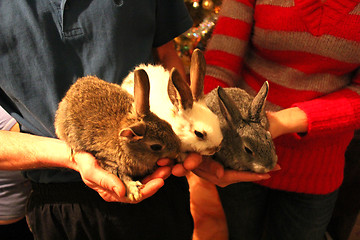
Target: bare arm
22,151
290,120
169,58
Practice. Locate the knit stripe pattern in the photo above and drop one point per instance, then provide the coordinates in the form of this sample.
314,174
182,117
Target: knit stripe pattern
309,52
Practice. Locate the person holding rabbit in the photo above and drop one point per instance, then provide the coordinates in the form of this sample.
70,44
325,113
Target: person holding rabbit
309,52
45,47
14,192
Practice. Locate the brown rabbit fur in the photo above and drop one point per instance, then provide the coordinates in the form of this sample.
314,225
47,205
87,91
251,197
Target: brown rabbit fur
119,130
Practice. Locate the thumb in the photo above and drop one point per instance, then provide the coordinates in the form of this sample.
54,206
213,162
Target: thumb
96,177
212,167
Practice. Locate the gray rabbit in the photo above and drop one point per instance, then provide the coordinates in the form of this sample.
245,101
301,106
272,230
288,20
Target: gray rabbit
118,129
247,143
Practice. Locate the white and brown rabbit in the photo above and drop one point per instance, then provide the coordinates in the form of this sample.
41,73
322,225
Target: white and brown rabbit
247,143
183,106
118,129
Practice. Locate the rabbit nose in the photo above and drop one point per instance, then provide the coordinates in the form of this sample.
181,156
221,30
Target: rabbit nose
217,149
264,168
259,168
213,150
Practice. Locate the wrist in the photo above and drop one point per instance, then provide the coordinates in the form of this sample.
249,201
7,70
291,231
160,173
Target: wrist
290,120
70,160
59,156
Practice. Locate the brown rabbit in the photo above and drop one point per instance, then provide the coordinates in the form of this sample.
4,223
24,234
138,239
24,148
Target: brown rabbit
119,130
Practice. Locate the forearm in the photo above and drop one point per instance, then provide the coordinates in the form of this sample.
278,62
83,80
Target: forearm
20,151
290,120
168,57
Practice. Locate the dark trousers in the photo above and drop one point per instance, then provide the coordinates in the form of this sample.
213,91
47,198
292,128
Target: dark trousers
347,207
16,231
255,212
74,211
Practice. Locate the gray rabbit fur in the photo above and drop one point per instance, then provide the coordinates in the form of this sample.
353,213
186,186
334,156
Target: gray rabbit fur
120,131
247,143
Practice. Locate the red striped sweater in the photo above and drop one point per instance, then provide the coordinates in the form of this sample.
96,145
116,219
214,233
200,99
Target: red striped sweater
310,53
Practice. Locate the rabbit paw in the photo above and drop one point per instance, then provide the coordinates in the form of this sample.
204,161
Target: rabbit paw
133,190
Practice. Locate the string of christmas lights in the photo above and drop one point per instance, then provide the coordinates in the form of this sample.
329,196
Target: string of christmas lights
204,14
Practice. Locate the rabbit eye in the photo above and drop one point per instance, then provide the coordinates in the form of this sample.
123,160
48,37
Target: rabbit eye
119,2
199,134
248,150
156,147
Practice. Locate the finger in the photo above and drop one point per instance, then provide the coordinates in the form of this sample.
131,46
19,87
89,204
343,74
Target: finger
161,172
164,162
232,176
147,190
212,167
107,195
207,176
97,178
151,187
110,196
276,168
192,161
106,185
178,170
109,182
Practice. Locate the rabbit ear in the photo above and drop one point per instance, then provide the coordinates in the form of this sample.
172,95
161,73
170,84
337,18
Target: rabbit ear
228,108
179,91
197,74
258,103
134,132
141,92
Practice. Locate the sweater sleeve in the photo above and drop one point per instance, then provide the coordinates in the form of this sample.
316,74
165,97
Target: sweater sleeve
226,48
335,112
281,64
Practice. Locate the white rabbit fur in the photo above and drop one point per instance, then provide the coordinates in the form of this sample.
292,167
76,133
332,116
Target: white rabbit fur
197,127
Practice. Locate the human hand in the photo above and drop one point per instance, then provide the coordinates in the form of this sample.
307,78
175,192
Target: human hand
289,120
110,187
215,173
191,162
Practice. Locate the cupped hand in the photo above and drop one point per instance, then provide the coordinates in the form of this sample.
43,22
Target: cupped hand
191,162
109,186
215,173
